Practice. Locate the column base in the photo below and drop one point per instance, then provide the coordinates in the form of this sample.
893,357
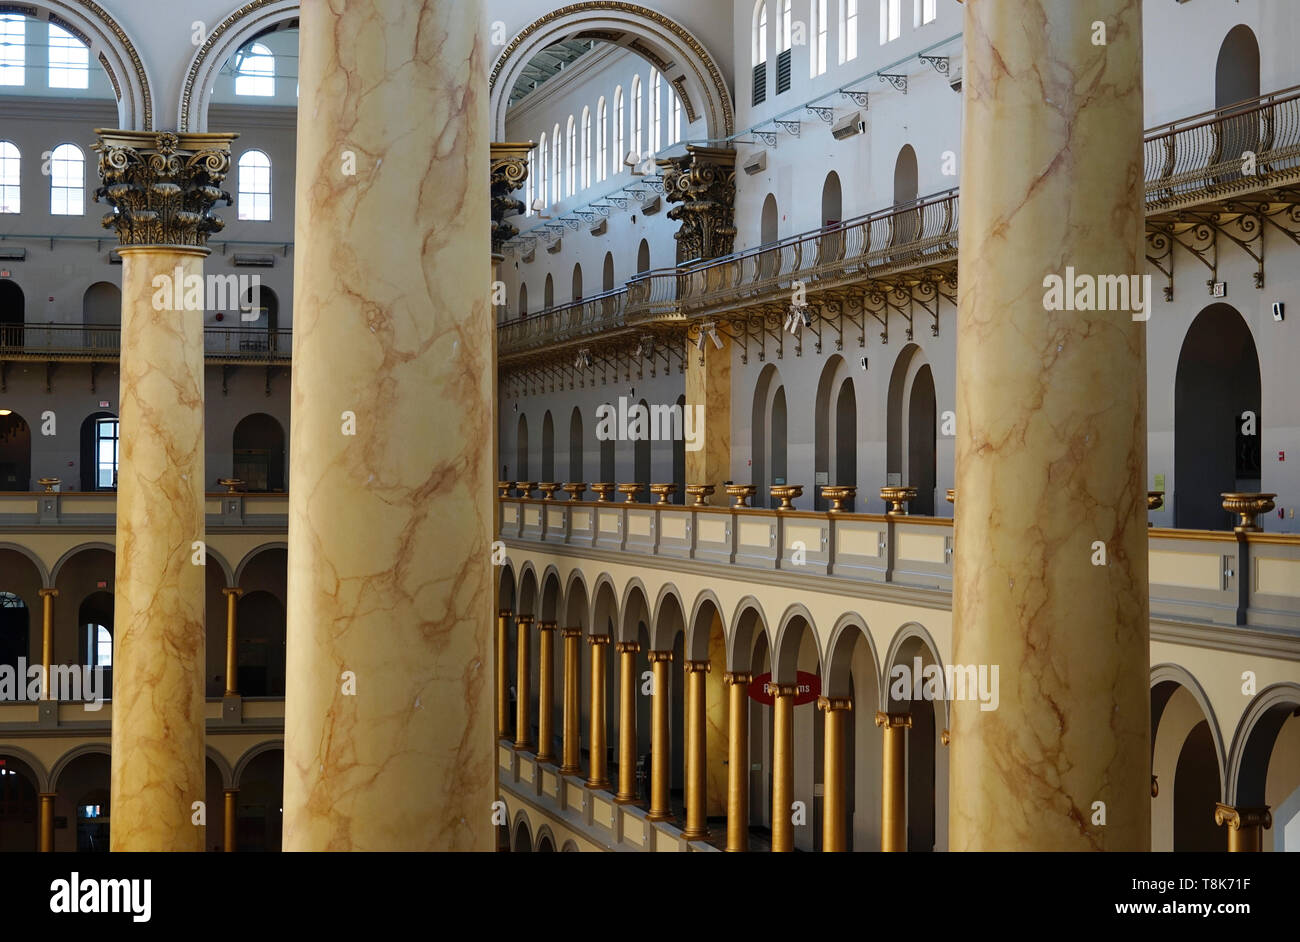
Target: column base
600,784
658,816
544,759
625,799
570,770
522,747
696,835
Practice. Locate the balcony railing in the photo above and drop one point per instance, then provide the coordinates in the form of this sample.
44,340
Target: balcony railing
87,342
1194,160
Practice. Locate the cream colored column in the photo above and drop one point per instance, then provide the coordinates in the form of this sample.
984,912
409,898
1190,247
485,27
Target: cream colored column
546,692
1051,433
229,818
571,747
893,790
660,759
1246,827
782,766
598,774
738,760
47,639
391,512
708,386
503,674
232,640
834,805
523,682
627,652
162,187
47,821
697,828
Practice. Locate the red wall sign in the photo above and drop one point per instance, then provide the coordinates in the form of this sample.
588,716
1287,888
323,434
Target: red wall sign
810,688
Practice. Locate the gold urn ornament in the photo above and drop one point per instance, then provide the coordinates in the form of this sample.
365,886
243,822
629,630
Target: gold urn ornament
1248,506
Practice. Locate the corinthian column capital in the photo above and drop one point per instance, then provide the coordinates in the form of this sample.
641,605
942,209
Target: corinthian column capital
162,185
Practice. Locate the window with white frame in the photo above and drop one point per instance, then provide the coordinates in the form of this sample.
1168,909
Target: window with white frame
255,72
602,139
636,116
820,28
891,20
69,60
848,30
254,186
528,183
783,27
543,174
13,49
586,147
571,141
557,167
760,33
675,120
656,103
10,178
106,452
67,181
619,151
925,11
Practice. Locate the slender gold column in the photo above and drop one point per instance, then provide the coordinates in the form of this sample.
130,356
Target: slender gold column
47,640
783,766
627,652
47,822
229,819
523,692
697,828
162,187
893,794
503,674
660,759
571,747
232,640
738,760
1246,827
834,805
598,775
1052,439
546,693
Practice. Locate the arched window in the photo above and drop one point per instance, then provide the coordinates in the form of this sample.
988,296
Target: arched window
891,20
254,186
523,300
528,183
656,106
544,180
586,147
67,181
848,30
69,60
572,142
760,33
602,139
820,28
783,27
636,116
675,121
619,151
13,49
557,180
548,294
10,178
255,71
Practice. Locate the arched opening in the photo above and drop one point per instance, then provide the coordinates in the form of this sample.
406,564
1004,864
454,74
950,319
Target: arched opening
84,785
1236,73
545,845
15,628
15,452
643,257
99,452
911,449
261,645
1264,763
258,448
577,283
1196,789
607,273
768,459
548,293
769,261
679,455
906,695
905,193
19,812
95,618
259,323
707,642
101,313
1185,762
641,467
608,467
523,838
259,808
1217,418
523,300
521,448
835,432
831,245
575,446
852,673
12,314
796,653
548,447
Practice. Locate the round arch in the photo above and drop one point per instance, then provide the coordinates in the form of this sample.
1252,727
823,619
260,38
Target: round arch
79,548
252,753
38,768
1165,680
675,52
46,581
527,589
837,660
253,554
623,632
1252,743
552,594
522,829
223,766
577,601
604,605
699,623
905,634
668,605
506,587
85,749
785,650
740,642
545,842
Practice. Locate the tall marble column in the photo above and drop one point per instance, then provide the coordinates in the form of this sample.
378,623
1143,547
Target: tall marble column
47,640
893,785
696,769
783,766
1050,577
523,682
627,652
660,759
391,518
546,691
738,760
162,187
708,394
834,804
570,748
232,640
503,674
598,773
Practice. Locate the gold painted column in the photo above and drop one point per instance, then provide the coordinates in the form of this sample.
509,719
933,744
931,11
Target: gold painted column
162,187
47,822
697,828
523,682
1051,447
627,652
232,640
738,760
503,674
391,516
660,758
598,774
229,818
893,790
546,693
47,639
571,748
783,766
834,805
1246,827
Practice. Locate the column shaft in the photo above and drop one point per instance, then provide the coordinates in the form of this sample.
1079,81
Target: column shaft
627,652
834,804
783,767
660,758
230,818
708,393
893,792
546,692
232,640
523,682
503,675
47,640
598,776
738,760
696,771
571,748
47,822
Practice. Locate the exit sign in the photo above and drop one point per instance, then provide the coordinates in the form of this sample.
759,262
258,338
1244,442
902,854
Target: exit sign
103,404
101,585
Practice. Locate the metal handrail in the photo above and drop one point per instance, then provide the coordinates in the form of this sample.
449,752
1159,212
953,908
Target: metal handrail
97,340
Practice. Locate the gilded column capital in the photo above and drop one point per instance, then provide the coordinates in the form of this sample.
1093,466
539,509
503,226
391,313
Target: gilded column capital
571,633
162,185
524,621
693,667
232,590
894,720
627,647
547,626
784,690
738,677
834,703
598,639
657,657
504,613
703,184
509,170
49,593
1238,818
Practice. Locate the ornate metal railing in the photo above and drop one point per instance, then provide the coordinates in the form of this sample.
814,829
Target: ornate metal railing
95,342
595,315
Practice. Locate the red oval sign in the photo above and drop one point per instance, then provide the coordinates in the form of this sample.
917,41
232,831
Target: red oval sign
810,688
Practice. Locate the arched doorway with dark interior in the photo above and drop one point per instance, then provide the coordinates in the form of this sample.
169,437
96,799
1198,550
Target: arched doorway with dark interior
258,447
